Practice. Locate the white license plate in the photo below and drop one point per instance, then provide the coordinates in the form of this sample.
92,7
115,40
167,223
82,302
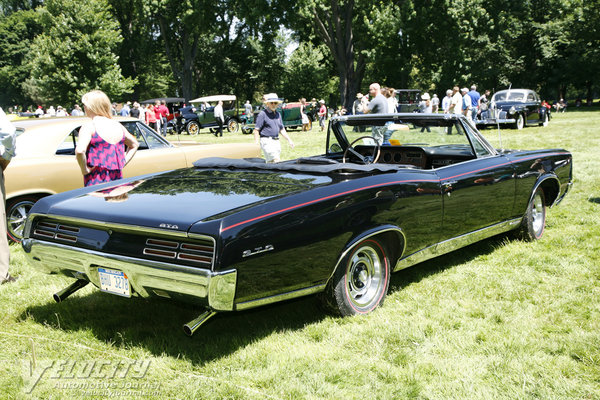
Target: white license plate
113,281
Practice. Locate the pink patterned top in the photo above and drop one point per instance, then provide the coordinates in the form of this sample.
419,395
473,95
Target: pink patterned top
100,153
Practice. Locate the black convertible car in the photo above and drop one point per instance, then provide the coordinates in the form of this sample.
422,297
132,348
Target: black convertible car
235,234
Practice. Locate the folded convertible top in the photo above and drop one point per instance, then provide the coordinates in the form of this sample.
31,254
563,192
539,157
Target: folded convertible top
312,165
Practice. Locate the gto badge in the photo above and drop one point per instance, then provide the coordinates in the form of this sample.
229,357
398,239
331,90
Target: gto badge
169,226
258,250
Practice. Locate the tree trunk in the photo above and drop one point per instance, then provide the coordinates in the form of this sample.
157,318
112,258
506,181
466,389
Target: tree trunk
181,57
335,29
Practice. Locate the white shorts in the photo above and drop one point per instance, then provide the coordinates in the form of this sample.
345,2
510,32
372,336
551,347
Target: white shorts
271,148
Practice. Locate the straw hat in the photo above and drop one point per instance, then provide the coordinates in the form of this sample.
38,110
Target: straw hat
359,95
272,98
425,96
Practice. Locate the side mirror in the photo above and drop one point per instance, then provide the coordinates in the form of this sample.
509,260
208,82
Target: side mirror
335,148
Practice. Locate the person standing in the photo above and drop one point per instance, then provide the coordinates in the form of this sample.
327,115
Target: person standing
151,117
7,151
456,102
304,116
135,110
475,102
219,118
390,96
466,103
100,150
77,111
377,105
162,112
357,106
484,103
426,108
269,126
322,114
435,103
125,111
248,108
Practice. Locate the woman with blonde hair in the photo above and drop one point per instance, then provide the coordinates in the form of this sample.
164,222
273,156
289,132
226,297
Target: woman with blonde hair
100,149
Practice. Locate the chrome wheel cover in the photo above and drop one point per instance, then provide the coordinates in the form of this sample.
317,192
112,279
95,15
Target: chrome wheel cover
537,214
520,121
16,218
364,277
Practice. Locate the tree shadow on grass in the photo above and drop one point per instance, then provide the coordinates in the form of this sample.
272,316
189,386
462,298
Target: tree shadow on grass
156,325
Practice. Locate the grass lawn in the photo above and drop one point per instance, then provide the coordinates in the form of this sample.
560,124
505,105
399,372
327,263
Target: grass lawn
501,319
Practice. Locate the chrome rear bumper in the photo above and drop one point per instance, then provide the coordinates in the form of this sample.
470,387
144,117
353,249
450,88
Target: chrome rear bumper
147,278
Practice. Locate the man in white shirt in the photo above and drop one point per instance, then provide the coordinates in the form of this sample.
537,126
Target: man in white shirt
466,103
219,118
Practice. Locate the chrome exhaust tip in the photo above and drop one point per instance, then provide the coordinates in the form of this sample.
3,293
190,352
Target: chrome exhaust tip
191,327
69,290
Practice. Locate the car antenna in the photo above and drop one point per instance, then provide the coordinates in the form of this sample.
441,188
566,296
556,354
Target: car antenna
498,121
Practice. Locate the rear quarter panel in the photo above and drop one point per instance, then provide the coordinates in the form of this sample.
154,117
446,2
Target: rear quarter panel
534,166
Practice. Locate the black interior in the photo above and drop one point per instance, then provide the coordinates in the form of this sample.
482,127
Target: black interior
419,157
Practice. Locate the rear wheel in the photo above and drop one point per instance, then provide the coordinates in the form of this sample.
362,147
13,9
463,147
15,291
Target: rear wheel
534,220
192,128
233,126
16,216
544,120
361,281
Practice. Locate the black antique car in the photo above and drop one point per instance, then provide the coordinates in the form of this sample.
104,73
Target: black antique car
200,114
517,108
235,234
408,100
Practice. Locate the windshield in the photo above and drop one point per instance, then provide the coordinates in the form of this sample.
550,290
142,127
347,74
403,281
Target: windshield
509,95
409,130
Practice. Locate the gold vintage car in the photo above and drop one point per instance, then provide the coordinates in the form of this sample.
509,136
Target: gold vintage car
45,163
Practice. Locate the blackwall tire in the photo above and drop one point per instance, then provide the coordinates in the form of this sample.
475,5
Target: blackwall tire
534,220
361,281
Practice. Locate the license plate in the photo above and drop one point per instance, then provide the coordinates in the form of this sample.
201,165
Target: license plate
113,281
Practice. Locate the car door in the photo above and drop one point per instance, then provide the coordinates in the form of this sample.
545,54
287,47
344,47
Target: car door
533,108
154,153
477,193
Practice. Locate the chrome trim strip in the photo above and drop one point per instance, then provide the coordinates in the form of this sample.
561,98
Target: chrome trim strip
280,297
458,242
145,276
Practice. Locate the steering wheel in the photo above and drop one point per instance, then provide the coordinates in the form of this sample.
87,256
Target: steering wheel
364,159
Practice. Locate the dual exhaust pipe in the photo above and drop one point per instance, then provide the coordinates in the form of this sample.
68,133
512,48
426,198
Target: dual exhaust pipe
189,329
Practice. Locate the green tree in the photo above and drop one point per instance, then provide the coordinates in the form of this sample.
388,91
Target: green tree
76,53
17,31
141,53
307,73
